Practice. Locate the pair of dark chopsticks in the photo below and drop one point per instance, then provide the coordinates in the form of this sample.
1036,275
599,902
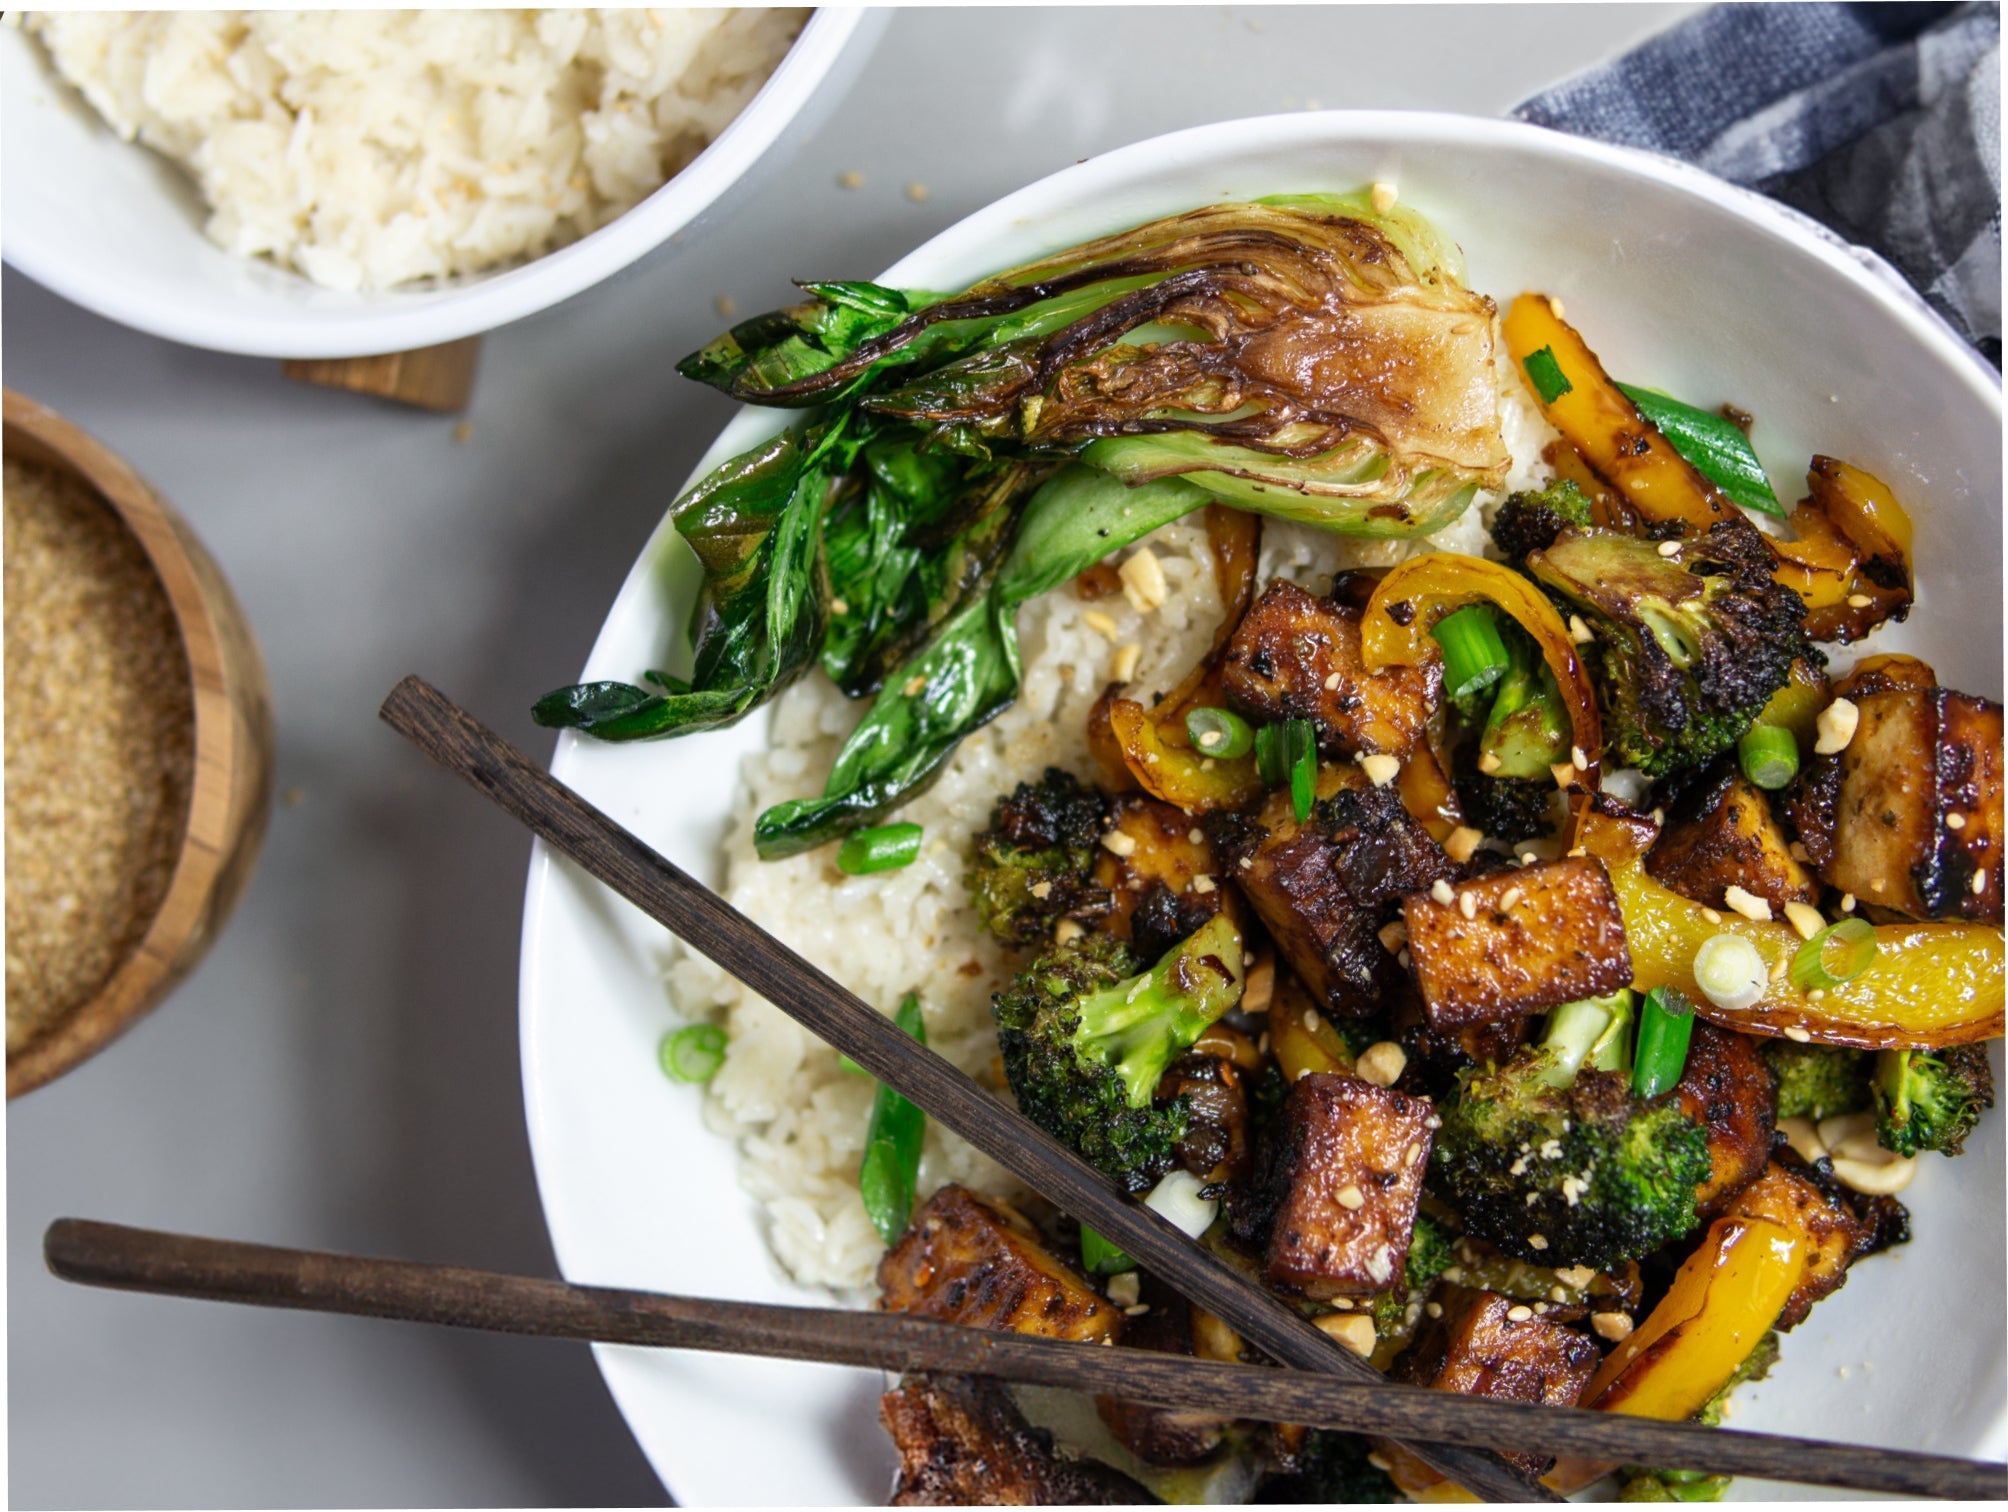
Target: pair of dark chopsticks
1443,1429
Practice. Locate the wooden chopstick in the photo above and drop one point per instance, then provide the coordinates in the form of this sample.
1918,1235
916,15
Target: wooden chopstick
461,744
105,1254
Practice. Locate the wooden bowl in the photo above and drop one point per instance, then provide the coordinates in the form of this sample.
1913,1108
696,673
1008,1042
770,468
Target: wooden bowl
231,793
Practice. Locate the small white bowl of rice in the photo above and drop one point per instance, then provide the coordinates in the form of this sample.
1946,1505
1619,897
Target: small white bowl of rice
346,183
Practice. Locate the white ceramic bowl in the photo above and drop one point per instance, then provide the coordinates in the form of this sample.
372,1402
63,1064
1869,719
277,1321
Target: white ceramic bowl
1682,282
118,229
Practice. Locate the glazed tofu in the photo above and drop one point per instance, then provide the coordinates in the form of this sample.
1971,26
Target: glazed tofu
1348,1165
1726,1086
1156,853
1162,1435
1839,1236
1517,942
1918,819
962,1442
1723,834
1481,1348
1298,657
974,1260
1324,889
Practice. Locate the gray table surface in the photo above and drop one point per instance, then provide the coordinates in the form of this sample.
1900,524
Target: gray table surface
342,1071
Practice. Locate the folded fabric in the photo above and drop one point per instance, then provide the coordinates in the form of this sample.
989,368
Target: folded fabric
1881,122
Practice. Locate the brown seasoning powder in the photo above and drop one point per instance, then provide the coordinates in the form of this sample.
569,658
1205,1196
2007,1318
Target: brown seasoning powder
100,740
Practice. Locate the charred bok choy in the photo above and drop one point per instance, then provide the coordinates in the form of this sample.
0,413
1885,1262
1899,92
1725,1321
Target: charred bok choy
1304,356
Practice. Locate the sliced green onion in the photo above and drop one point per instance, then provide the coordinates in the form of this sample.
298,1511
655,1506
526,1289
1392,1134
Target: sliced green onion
1474,653
1769,756
693,1053
1101,1257
1288,753
891,1166
1835,956
850,1067
1219,732
1545,373
1665,1024
1730,972
886,848
1713,446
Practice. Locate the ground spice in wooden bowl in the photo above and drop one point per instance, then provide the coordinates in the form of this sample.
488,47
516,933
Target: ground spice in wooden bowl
100,746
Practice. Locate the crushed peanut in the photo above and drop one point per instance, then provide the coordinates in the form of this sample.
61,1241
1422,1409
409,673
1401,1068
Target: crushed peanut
1381,769
1381,1064
1122,667
1143,580
1805,919
1440,892
1354,1330
1614,1326
1837,724
1099,622
1384,196
1463,843
1747,903
1117,843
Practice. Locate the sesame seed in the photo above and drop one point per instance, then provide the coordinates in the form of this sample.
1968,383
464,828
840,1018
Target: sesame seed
1117,843
1467,904
1847,902
1343,1304
1351,1197
1511,896
1558,1294
1747,903
1580,761
1611,1325
1859,601
1310,1020
1979,883
1797,1035
1137,1311
1434,1309
1440,891
1411,1155
1211,738
1711,916
1955,821
1532,1198
1519,1314
1669,548
1577,850
851,180
1196,836
1816,994
1779,967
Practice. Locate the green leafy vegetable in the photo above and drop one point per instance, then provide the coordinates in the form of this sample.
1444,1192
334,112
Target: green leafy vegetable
1714,446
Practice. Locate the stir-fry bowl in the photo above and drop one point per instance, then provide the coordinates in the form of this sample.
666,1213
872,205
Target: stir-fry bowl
118,229
1678,281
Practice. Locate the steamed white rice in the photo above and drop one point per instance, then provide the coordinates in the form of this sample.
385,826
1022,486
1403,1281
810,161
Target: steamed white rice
797,1117
371,148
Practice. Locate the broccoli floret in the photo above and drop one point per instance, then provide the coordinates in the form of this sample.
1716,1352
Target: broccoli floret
1537,1150
1030,869
1931,1099
1509,809
1639,1484
1085,1038
1685,650
1818,1081
1530,520
1431,1252
1335,1470
1528,728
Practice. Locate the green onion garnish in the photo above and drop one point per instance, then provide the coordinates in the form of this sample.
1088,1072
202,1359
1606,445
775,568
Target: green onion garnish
1665,1024
1714,447
1288,753
1474,653
1836,955
1769,756
1101,1257
693,1053
1219,732
885,848
891,1167
1731,972
1545,373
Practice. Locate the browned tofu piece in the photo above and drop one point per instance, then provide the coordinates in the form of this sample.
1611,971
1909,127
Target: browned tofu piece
1159,853
1918,820
1298,657
1348,1165
1516,942
963,1443
1162,1435
1492,1346
1324,889
1839,1236
1723,834
971,1259
1727,1087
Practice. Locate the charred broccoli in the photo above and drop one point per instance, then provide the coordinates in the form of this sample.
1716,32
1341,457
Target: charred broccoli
1085,1038
1638,1484
1530,520
1336,1469
1431,1252
1686,649
1030,868
1565,1166
1930,1099
1509,809
1818,1081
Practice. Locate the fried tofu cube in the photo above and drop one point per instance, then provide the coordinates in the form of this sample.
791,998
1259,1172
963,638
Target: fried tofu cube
1491,1346
1349,1162
975,1260
1918,821
1298,657
1324,889
963,1442
1517,942
1727,1088
1155,854
1722,835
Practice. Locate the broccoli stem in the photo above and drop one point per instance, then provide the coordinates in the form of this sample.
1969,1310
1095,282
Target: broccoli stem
1592,1032
1138,1027
1528,730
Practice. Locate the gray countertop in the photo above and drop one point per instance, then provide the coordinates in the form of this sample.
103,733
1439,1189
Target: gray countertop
342,1071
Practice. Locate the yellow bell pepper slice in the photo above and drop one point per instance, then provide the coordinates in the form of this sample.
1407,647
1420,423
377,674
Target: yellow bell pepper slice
1929,984
1620,444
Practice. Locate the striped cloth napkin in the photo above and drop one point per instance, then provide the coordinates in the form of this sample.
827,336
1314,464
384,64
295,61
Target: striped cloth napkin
1880,122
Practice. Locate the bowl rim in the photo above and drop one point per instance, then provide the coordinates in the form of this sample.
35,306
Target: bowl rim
1795,234
398,320
231,780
